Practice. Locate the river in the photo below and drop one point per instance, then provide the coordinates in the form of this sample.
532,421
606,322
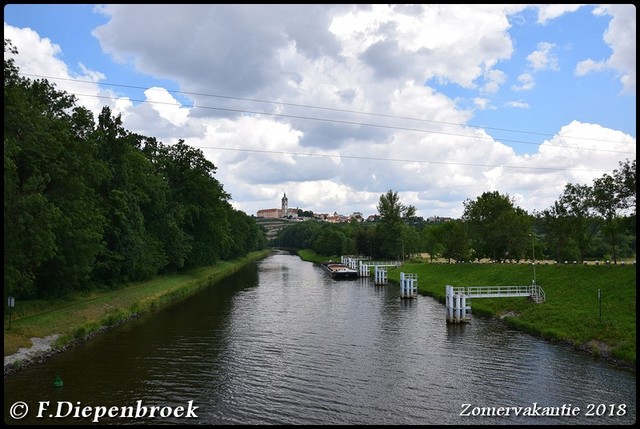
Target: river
280,342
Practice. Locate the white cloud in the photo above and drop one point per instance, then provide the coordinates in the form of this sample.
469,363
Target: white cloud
348,110
588,66
495,78
166,106
122,106
621,37
527,82
519,104
543,58
40,58
482,103
37,55
548,12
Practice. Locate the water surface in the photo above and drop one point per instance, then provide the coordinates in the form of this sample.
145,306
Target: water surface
282,343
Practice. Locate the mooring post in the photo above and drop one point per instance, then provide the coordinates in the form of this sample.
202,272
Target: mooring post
364,269
463,306
449,302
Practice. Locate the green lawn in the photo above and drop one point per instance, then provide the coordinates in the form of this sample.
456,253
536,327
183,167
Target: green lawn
571,311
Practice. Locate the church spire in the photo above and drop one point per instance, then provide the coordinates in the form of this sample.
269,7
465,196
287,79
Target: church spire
285,205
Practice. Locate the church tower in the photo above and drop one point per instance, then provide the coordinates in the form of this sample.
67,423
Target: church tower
285,205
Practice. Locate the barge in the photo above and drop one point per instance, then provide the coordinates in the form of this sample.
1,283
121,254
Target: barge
339,270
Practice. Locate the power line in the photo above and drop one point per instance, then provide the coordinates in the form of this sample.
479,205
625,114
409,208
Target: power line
349,123
356,124
371,158
336,110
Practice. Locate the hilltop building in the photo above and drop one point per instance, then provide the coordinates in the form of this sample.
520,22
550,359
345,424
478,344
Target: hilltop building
283,211
438,219
286,212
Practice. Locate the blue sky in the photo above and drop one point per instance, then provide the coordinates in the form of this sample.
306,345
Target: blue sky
71,30
511,98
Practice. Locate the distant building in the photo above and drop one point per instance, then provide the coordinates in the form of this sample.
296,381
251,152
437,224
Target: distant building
286,212
283,211
269,213
357,216
438,219
337,218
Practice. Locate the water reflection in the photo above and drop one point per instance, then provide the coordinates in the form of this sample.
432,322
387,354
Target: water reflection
282,343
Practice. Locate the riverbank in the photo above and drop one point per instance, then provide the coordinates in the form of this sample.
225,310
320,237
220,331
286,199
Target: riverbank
40,329
572,313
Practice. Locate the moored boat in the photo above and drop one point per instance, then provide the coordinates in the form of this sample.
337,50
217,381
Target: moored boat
339,270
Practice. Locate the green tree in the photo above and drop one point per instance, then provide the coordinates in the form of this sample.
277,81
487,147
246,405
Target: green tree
576,201
73,189
91,203
432,242
247,236
125,253
330,241
164,218
411,241
625,179
557,224
364,238
609,198
203,202
52,221
453,239
497,228
298,235
389,231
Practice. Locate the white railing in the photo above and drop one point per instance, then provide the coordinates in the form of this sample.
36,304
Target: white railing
382,263
500,291
536,291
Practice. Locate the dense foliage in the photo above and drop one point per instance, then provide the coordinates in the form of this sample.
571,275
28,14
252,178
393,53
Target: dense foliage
587,222
89,204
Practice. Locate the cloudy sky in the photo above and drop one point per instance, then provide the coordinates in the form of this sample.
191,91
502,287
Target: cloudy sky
337,104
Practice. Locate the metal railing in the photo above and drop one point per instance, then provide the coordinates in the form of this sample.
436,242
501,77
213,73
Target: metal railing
534,291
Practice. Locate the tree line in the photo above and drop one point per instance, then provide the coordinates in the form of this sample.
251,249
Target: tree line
89,204
586,222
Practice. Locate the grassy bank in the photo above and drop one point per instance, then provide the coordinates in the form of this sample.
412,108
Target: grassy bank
78,316
571,312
